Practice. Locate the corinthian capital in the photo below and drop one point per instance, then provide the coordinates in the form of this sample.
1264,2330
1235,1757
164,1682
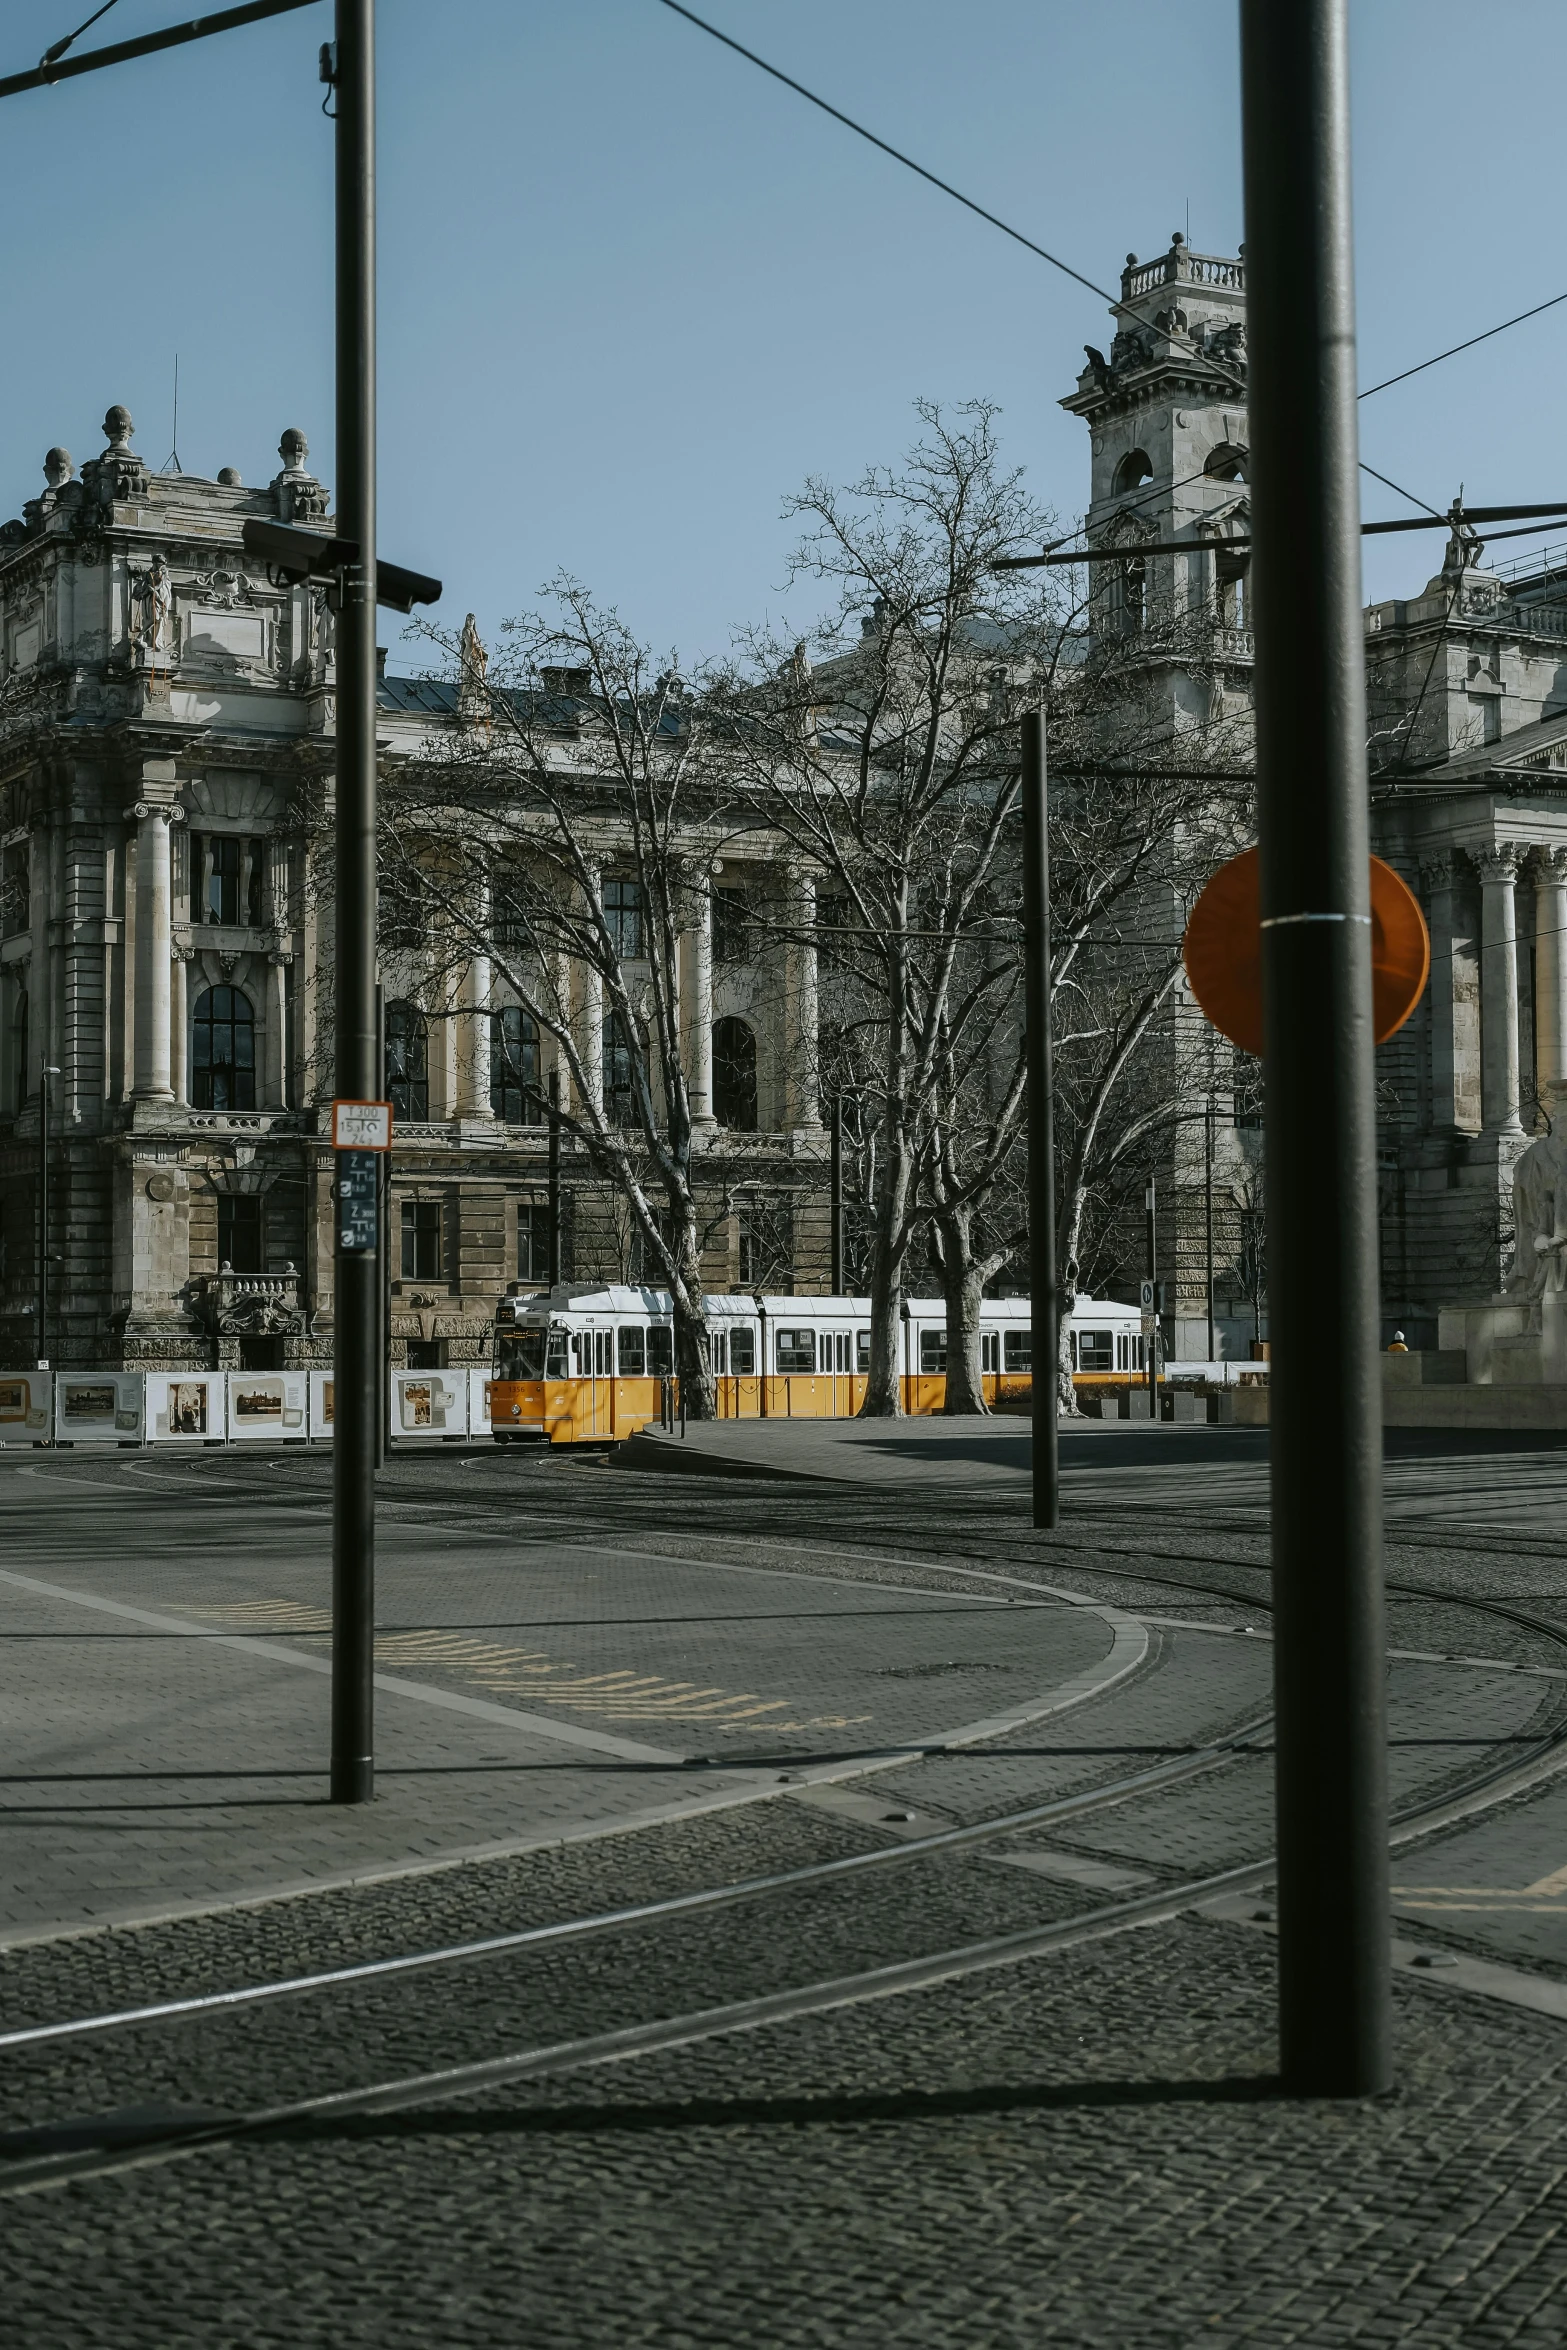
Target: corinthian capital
1500,863
1550,866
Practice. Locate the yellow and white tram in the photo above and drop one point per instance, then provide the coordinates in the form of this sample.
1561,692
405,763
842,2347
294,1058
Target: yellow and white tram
583,1365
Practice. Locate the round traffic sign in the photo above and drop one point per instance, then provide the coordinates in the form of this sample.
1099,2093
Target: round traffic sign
1222,951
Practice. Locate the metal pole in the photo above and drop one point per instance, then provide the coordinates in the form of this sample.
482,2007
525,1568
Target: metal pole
383,1285
1207,1198
43,1219
836,1269
357,1379
554,1178
1151,1367
1045,1312
1328,1656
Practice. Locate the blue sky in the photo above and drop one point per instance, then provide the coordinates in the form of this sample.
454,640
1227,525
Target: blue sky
632,292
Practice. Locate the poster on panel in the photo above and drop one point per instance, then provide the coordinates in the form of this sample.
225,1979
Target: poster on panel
98,1407
323,1386
186,1407
479,1384
429,1403
24,1406
267,1407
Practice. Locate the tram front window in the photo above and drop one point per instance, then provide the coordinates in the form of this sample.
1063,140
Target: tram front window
520,1354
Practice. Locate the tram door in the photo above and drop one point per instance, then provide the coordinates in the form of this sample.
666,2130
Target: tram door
593,1366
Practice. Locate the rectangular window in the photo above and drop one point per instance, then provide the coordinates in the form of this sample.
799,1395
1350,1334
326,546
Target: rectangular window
603,1359
221,857
533,1240
255,911
933,1350
633,1354
1096,1350
423,1254
733,939
15,889
555,1360
796,1351
623,918
742,1353
990,1350
240,1235
1017,1349
660,1351
862,1352
718,1352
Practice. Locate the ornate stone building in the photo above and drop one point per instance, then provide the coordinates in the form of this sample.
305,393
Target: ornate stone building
1467,774
166,729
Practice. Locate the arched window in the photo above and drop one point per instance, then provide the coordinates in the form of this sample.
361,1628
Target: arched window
1228,462
407,1062
514,1067
1136,466
19,1046
223,1055
620,1075
734,1076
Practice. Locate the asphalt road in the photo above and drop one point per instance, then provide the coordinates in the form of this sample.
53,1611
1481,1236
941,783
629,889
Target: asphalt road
604,1692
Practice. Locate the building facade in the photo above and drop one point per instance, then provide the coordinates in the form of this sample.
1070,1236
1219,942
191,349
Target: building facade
1467,776
166,750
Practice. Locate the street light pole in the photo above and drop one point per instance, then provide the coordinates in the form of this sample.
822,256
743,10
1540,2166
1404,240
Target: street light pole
835,1281
554,1178
356,1305
1044,1344
1326,1454
44,1075
1150,1217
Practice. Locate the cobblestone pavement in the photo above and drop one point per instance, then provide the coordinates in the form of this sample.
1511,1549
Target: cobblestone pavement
1080,2147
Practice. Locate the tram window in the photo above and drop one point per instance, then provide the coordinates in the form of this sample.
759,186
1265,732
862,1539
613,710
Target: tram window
742,1352
1096,1350
1017,1349
660,1350
603,1352
633,1354
582,1352
522,1354
862,1351
796,1350
990,1350
718,1351
1072,1343
555,1360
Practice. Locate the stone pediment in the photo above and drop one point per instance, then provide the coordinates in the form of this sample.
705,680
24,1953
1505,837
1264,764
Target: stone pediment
1531,754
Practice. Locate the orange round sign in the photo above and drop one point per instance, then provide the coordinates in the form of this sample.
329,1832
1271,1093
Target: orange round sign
1222,951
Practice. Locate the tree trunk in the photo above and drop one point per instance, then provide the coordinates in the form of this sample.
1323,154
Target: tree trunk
963,1286
693,1356
884,1388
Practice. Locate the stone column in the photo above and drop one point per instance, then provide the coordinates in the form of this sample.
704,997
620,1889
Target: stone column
587,1024
1455,997
181,957
1498,871
153,941
473,1025
800,1007
1550,978
274,1072
696,1009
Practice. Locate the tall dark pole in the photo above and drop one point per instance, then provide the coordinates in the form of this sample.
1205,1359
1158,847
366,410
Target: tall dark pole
1044,1343
836,1282
554,1179
1328,1663
357,1373
1151,1367
383,1259
1207,1210
43,1219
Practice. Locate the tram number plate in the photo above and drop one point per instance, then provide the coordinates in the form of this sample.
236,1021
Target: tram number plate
358,1196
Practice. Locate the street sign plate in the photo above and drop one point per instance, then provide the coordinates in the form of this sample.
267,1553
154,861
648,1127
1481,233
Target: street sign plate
1145,1298
361,1126
358,1198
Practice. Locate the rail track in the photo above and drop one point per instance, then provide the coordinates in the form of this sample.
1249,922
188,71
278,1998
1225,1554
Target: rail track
1501,1777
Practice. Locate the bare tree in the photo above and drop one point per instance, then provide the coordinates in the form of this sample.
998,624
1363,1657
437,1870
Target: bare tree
562,842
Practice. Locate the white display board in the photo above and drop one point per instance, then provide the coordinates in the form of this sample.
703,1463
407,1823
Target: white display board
479,1402
187,1407
267,1407
321,1394
24,1406
429,1403
98,1407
